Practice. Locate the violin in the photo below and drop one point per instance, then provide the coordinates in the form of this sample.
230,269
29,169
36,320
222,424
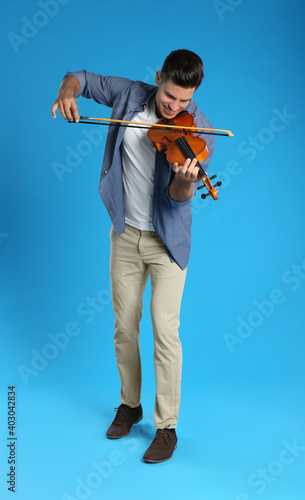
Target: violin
180,144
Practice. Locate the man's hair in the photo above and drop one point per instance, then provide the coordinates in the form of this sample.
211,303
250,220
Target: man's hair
184,68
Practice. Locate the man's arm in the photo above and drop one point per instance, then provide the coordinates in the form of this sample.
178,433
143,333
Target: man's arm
66,102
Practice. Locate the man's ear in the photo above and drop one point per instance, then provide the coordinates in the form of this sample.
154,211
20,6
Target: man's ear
158,78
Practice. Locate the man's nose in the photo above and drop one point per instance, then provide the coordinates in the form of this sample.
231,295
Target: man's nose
174,106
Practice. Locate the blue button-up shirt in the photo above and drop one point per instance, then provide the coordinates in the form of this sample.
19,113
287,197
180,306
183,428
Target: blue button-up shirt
171,219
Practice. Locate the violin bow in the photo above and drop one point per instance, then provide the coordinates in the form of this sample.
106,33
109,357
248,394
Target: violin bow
125,123
200,130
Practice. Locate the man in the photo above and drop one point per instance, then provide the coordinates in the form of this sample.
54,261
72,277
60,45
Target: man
149,203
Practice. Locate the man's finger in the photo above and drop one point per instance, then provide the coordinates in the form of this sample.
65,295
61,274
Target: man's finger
53,109
62,110
69,115
184,168
193,169
75,112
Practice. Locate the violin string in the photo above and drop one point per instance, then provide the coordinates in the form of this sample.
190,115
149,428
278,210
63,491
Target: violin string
186,149
183,141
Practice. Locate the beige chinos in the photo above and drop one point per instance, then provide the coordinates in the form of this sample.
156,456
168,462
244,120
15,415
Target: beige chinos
135,255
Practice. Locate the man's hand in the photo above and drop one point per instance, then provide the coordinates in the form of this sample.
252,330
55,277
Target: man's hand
187,172
67,107
181,188
66,102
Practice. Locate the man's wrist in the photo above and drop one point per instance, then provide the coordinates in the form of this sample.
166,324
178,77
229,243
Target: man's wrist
70,86
69,91
181,189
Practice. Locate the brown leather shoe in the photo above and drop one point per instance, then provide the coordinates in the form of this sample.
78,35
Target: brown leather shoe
162,447
124,420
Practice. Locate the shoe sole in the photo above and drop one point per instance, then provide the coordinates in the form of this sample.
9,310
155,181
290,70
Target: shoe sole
124,435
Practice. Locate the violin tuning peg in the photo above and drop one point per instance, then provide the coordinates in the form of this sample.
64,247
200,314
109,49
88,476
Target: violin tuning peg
213,177
219,183
203,196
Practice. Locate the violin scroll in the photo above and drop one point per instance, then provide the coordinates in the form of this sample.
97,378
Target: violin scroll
212,191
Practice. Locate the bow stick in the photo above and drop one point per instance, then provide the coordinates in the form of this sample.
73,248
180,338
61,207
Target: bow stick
125,123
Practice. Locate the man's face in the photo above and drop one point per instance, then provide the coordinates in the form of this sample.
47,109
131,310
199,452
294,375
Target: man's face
170,98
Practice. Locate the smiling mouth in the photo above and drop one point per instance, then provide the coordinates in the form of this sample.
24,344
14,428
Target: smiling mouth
169,111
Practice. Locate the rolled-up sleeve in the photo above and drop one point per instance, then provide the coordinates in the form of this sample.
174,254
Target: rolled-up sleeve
102,89
175,203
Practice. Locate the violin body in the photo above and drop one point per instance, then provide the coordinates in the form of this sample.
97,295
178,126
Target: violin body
166,140
182,144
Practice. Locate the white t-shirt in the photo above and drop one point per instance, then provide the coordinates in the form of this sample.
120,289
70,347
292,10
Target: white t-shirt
138,158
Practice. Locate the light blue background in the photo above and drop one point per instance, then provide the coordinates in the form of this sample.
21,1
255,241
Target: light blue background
243,386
